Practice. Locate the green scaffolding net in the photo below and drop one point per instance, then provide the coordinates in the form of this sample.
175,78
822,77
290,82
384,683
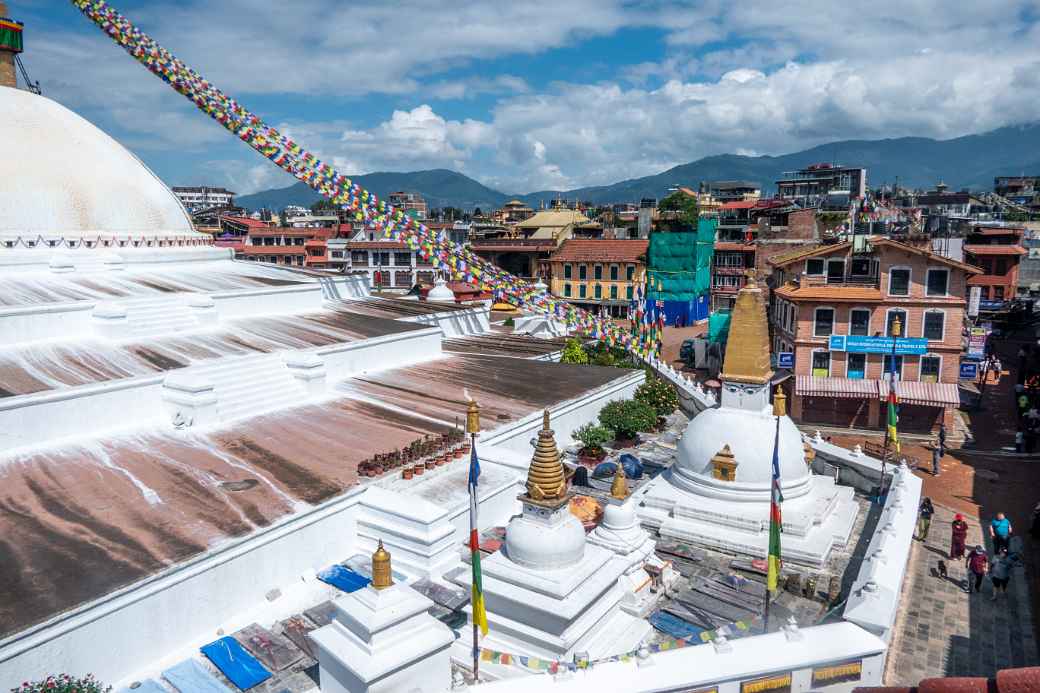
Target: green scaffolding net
679,263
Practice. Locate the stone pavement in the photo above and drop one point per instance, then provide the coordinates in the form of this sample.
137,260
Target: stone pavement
943,631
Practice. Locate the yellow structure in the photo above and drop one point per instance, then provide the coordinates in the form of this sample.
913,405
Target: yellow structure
619,489
598,272
747,350
382,576
545,479
723,465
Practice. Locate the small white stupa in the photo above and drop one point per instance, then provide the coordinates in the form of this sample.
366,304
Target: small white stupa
620,532
548,594
440,292
383,639
717,494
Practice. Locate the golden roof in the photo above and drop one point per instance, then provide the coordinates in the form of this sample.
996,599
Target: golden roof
545,479
747,348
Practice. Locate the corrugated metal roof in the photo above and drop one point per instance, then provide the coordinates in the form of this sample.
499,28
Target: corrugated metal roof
841,388
929,394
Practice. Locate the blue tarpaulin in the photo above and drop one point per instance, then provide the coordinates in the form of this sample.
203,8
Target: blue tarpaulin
190,675
240,667
343,578
674,626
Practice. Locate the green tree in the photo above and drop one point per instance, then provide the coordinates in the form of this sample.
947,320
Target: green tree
574,352
627,417
685,205
658,394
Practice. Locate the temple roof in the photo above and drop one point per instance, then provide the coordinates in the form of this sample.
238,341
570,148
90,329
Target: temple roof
747,349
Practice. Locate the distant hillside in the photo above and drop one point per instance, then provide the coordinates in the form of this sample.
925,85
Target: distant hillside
964,162
440,188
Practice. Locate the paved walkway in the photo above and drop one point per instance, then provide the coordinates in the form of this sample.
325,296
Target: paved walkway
943,631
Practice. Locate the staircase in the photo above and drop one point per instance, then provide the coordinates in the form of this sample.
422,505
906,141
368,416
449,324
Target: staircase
250,385
161,315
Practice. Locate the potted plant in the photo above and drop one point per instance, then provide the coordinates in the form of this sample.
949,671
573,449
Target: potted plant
574,352
592,438
627,417
64,684
659,395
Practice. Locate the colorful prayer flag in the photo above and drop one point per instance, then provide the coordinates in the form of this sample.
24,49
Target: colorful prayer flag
775,521
893,413
477,596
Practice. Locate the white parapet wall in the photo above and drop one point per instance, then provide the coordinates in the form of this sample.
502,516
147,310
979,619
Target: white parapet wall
693,398
458,323
795,653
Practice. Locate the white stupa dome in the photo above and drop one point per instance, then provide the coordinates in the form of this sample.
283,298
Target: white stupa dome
536,544
750,436
66,178
441,292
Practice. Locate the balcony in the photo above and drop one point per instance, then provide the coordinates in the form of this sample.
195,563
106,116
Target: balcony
726,288
871,281
730,270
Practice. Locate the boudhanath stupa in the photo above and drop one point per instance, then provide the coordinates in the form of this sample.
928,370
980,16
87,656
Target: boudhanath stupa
200,454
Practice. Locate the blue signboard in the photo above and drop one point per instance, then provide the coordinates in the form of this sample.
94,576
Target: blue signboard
858,344
785,359
969,370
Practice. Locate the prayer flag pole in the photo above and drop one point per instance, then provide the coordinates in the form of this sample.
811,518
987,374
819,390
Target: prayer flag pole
776,498
477,591
892,415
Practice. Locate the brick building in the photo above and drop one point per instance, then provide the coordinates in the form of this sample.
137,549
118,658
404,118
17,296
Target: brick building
834,290
997,250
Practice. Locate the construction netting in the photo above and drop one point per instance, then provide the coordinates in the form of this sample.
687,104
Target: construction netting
718,326
679,271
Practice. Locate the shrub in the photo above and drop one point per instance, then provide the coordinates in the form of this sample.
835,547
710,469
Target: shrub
593,438
660,395
508,322
574,352
63,684
627,417
602,355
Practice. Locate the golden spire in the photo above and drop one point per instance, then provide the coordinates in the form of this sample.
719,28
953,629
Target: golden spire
747,348
545,480
382,577
619,489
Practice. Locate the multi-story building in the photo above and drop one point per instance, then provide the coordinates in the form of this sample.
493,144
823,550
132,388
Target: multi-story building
408,202
202,197
390,265
513,212
857,294
1020,190
997,250
734,191
300,247
823,185
598,273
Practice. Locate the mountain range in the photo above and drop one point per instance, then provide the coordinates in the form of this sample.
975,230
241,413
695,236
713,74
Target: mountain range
971,162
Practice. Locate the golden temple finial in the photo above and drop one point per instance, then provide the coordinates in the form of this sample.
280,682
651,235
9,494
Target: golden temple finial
779,402
619,489
747,348
545,479
382,576
473,417
724,465
750,281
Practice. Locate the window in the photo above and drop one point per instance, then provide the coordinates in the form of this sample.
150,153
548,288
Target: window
860,267
567,271
583,272
888,366
1000,267
567,290
403,259
938,282
613,290
930,369
821,364
581,290
628,292
823,324
855,366
859,322
597,271
934,322
892,315
381,258
613,273
598,289
630,272
835,270
998,293
814,266
727,280
899,282
984,294
359,257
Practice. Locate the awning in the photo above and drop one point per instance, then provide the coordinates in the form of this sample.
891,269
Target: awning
928,394
844,388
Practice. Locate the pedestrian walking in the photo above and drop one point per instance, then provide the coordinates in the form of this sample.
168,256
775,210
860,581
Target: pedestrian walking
978,566
958,536
924,518
1020,440
1000,574
942,439
1000,532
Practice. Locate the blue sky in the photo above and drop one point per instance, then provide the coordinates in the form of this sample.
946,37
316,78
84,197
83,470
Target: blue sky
540,94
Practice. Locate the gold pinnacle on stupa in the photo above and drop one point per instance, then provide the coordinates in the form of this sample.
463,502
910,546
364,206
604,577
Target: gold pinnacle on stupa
779,402
545,479
747,348
619,489
382,576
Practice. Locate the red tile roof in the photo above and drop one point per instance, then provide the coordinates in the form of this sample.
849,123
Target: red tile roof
829,293
994,249
247,221
732,245
1022,680
581,250
739,204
